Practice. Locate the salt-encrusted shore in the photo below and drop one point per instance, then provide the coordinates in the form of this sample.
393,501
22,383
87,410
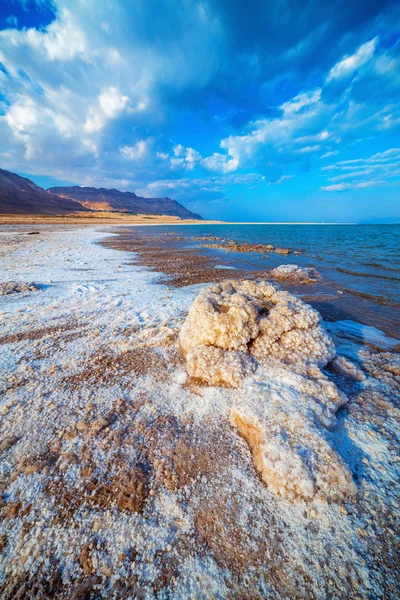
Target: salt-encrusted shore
122,477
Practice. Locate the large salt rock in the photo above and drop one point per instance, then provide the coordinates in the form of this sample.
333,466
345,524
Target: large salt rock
235,329
256,318
225,315
294,274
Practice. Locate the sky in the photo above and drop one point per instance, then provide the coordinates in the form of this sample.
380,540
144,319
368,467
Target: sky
256,110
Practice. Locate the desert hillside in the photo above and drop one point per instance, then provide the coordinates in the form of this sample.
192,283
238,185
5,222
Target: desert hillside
19,195
102,199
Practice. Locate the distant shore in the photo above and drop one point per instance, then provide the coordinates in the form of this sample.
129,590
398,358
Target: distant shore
110,218
100,218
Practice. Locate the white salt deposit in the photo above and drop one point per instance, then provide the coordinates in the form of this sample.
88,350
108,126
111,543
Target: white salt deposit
228,326
123,478
294,274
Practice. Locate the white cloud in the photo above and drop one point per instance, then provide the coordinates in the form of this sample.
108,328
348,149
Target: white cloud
139,150
220,163
379,169
111,104
330,153
350,64
334,188
179,150
63,40
281,179
305,99
341,187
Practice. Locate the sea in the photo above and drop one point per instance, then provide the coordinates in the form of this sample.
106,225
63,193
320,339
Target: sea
359,265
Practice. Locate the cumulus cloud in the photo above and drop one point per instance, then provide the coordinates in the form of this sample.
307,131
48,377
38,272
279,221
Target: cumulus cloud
139,150
111,104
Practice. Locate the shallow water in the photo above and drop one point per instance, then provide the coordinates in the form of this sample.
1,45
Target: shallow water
360,262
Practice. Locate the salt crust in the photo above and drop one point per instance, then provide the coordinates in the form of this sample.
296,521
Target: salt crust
294,274
235,329
252,544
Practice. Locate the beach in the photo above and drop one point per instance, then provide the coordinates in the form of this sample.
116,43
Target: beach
124,477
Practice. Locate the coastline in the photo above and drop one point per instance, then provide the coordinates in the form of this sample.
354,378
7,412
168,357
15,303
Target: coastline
96,219
122,475
185,260
105,218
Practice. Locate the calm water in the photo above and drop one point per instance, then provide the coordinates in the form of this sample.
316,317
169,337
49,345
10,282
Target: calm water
363,261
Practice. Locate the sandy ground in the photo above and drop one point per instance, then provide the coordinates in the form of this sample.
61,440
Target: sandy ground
122,478
96,219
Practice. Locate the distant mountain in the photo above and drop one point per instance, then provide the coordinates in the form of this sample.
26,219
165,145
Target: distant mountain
127,202
19,195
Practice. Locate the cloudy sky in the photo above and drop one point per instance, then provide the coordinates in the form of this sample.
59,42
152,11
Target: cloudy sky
241,109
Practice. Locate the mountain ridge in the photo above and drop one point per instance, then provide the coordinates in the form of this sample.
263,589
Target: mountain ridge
19,195
103,199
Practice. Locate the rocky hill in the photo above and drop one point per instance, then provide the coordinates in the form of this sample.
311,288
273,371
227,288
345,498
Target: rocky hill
19,195
102,199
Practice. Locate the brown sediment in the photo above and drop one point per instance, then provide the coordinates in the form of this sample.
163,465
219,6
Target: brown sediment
231,246
103,367
96,218
16,287
65,331
179,266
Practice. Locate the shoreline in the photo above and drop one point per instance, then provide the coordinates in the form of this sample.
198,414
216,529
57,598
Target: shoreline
183,261
123,476
137,220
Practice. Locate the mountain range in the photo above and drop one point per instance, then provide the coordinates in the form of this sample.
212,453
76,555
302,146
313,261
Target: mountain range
127,202
19,195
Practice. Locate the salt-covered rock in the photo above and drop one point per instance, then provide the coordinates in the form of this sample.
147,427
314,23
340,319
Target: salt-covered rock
294,274
256,318
235,329
14,287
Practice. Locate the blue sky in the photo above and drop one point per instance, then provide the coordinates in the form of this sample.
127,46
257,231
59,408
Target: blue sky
257,110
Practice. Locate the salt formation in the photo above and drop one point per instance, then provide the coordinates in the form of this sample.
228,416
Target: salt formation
235,329
223,367
294,274
14,287
252,318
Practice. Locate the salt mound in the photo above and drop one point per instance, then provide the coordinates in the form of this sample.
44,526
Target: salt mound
253,318
235,329
295,274
284,421
14,287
